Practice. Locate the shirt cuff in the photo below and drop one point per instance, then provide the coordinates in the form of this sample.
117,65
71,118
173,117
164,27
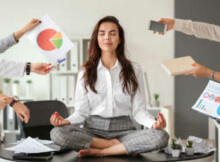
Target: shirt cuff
178,24
150,123
12,39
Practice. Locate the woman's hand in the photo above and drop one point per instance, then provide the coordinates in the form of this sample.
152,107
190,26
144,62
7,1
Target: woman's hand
160,123
168,22
41,68
56,120
4,101
29,26
199,71
22,111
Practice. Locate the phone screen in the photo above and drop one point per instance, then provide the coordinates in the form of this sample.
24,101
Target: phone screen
156,26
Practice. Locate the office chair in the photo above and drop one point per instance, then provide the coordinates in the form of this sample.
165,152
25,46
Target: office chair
40,113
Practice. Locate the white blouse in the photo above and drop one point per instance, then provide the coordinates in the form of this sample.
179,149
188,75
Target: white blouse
110,100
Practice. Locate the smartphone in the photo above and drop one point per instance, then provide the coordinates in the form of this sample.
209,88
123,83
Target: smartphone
158,27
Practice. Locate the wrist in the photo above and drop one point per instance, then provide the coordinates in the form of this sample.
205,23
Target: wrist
28,68
209,73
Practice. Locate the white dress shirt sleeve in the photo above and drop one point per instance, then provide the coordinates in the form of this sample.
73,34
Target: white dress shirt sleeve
11,68
81,104
139,111
198,29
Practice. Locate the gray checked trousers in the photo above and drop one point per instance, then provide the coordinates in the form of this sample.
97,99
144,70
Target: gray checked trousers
121,128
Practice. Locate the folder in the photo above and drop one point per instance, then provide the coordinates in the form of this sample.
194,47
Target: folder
63,88
74,57
178,66
71,90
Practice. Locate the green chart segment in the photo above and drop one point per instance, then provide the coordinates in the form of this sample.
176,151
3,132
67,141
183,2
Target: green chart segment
57,42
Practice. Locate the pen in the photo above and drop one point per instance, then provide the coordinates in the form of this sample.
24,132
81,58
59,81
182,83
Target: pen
54,65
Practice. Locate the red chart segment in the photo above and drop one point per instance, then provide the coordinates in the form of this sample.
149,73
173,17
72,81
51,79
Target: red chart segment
43,39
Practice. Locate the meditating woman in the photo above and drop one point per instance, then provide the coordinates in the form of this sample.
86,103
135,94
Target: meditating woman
109,90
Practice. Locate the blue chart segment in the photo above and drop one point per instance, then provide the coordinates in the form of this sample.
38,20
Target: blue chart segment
198,103
218,110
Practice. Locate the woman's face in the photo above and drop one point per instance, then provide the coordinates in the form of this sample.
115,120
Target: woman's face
108,37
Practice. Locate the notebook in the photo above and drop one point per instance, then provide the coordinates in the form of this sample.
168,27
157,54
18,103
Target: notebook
178,66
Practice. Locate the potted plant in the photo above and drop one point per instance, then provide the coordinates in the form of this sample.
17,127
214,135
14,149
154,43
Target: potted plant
176,148
189,148
156,98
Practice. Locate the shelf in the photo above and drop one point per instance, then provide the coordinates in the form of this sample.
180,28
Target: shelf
63,72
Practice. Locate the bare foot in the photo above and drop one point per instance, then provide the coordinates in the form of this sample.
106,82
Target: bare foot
89,152
115,141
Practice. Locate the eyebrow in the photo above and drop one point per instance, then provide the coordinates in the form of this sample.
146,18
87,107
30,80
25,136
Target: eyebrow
110,31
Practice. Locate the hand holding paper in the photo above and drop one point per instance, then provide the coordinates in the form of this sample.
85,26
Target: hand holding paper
50,40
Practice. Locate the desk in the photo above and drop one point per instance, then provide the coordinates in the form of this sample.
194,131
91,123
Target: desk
157,156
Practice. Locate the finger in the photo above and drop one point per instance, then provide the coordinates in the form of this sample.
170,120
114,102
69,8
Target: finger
163,121
190,72
161,20
53,119
21,117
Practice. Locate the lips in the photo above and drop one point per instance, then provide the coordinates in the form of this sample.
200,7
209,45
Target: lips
107,44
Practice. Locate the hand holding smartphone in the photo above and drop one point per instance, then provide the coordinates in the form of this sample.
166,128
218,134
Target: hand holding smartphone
157,26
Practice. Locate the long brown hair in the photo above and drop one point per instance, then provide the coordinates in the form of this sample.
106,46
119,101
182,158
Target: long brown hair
127,74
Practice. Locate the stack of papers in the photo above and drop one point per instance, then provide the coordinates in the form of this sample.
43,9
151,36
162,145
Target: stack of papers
31,145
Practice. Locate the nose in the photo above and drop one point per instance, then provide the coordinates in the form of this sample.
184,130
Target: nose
106,37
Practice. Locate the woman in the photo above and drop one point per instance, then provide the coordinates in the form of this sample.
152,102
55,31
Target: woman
109,88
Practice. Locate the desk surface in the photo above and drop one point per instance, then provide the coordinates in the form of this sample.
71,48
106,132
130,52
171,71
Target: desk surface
71,156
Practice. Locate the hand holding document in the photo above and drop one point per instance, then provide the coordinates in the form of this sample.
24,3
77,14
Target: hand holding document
50,40
178,66
207,103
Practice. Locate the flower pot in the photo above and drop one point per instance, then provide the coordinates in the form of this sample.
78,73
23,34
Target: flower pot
175,153
29,89
157,103
189,151
16,89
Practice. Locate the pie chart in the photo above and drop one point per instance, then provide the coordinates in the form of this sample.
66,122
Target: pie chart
49,39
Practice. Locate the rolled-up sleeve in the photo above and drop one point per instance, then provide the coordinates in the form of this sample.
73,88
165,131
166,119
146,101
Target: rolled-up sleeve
198,29
81,104
139,111
7,42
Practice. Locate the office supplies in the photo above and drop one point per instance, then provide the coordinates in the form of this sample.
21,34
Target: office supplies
30,145
178,66
156,26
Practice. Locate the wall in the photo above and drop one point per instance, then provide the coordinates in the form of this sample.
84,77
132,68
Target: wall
77,18
205,52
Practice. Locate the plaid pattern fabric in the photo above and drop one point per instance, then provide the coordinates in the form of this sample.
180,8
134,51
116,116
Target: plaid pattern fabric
122,128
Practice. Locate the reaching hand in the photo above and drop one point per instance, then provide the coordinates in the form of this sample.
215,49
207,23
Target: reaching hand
32,24
4,101
160,123
41,68
22,111
199,71
217,99
168,22
56,120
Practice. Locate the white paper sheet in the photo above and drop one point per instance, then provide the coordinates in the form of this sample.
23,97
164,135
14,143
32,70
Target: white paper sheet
207,103
50,40
30,145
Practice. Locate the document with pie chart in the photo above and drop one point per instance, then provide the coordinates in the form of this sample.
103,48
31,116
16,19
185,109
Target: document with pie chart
207,103
50,40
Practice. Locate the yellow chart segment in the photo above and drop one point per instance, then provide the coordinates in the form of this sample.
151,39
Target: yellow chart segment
58,36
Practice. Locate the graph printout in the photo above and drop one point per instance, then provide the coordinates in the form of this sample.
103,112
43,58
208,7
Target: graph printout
207,102
50,40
